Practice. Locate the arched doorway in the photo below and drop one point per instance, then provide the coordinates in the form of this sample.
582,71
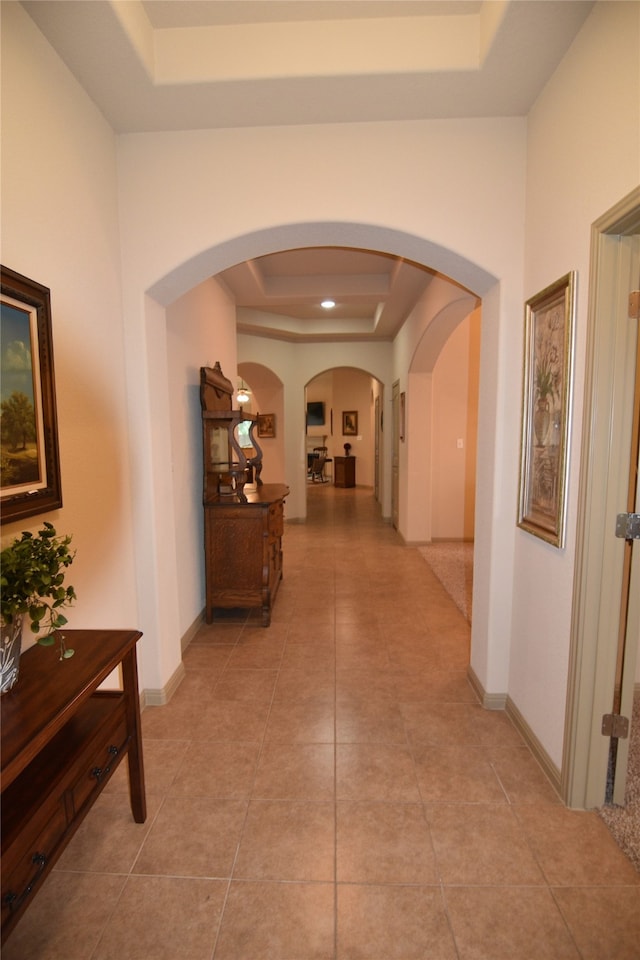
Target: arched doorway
342,393
266,397
494,540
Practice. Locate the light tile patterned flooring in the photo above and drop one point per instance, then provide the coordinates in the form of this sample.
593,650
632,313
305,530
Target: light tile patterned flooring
329,789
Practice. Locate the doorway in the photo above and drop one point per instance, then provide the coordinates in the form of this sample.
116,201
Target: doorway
606,465
342,414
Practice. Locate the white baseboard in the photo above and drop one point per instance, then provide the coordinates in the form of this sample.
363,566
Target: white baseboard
190,633
502,701
551,771
157,698
490,701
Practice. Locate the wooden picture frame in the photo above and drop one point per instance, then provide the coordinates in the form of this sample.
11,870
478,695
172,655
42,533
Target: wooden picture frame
546,406
349,423
267,425
30,461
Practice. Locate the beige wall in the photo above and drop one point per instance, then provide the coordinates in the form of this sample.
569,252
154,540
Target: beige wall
60,227
583,157
455,422
193,342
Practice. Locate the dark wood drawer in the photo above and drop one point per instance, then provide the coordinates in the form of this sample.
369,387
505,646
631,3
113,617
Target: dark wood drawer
61,739
98,762
40,808
25,863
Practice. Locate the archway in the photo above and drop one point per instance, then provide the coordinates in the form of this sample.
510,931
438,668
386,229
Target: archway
494,541
343,392
447,308
267,397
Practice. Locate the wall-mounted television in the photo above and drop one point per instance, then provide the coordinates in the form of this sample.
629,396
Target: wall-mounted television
315,414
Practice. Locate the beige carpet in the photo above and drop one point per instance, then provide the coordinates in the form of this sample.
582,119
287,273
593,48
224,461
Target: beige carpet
452,563
624,822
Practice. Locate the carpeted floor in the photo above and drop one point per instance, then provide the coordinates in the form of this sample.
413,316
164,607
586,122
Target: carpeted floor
452,563
624,822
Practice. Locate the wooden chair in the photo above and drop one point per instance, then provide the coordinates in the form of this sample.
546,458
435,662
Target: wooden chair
317,465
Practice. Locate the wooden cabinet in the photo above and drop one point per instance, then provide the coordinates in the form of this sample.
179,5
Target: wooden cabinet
243,550
345,471
243,521
62,738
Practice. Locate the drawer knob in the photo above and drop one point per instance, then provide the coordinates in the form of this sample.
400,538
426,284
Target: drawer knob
100,772
13,901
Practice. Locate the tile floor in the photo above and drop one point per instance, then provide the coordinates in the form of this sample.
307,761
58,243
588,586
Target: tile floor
330,788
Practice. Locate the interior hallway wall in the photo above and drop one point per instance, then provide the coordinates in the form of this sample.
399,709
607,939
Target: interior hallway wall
455,427
60,228
583,157
196,338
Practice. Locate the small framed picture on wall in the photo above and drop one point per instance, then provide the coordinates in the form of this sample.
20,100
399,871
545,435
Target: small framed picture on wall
267,425
349,423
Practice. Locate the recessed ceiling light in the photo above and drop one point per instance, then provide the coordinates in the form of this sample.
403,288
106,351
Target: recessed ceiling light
328,304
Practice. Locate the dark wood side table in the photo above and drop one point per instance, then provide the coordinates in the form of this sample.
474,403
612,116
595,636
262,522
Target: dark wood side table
345,472
62,738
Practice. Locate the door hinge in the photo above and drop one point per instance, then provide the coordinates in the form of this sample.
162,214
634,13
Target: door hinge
634,305
628,526
613,725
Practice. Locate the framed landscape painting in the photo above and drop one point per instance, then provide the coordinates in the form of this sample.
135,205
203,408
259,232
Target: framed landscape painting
548,361
29,460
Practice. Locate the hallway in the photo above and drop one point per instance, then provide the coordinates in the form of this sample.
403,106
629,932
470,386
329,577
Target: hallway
330,789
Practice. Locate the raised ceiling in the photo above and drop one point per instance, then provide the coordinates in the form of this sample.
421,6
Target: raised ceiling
178,64
280,295
162,65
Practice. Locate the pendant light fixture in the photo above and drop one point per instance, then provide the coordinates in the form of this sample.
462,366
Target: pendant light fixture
242,396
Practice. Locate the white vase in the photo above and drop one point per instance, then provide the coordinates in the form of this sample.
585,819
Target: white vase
11,646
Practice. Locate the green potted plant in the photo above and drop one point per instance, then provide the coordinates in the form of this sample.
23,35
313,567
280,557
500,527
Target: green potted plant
32,571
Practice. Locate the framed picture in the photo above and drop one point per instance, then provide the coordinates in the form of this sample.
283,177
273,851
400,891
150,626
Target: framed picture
349,423
267,425
547,375
29,462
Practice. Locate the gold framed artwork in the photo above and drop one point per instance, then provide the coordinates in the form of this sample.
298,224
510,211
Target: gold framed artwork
349,423
30,464
546,405
267,425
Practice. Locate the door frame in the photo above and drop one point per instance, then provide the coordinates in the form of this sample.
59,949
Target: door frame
598,574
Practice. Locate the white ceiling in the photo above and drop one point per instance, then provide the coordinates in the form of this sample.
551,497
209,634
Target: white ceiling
153,65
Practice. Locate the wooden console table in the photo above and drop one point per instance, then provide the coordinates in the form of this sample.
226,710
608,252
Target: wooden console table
62,738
